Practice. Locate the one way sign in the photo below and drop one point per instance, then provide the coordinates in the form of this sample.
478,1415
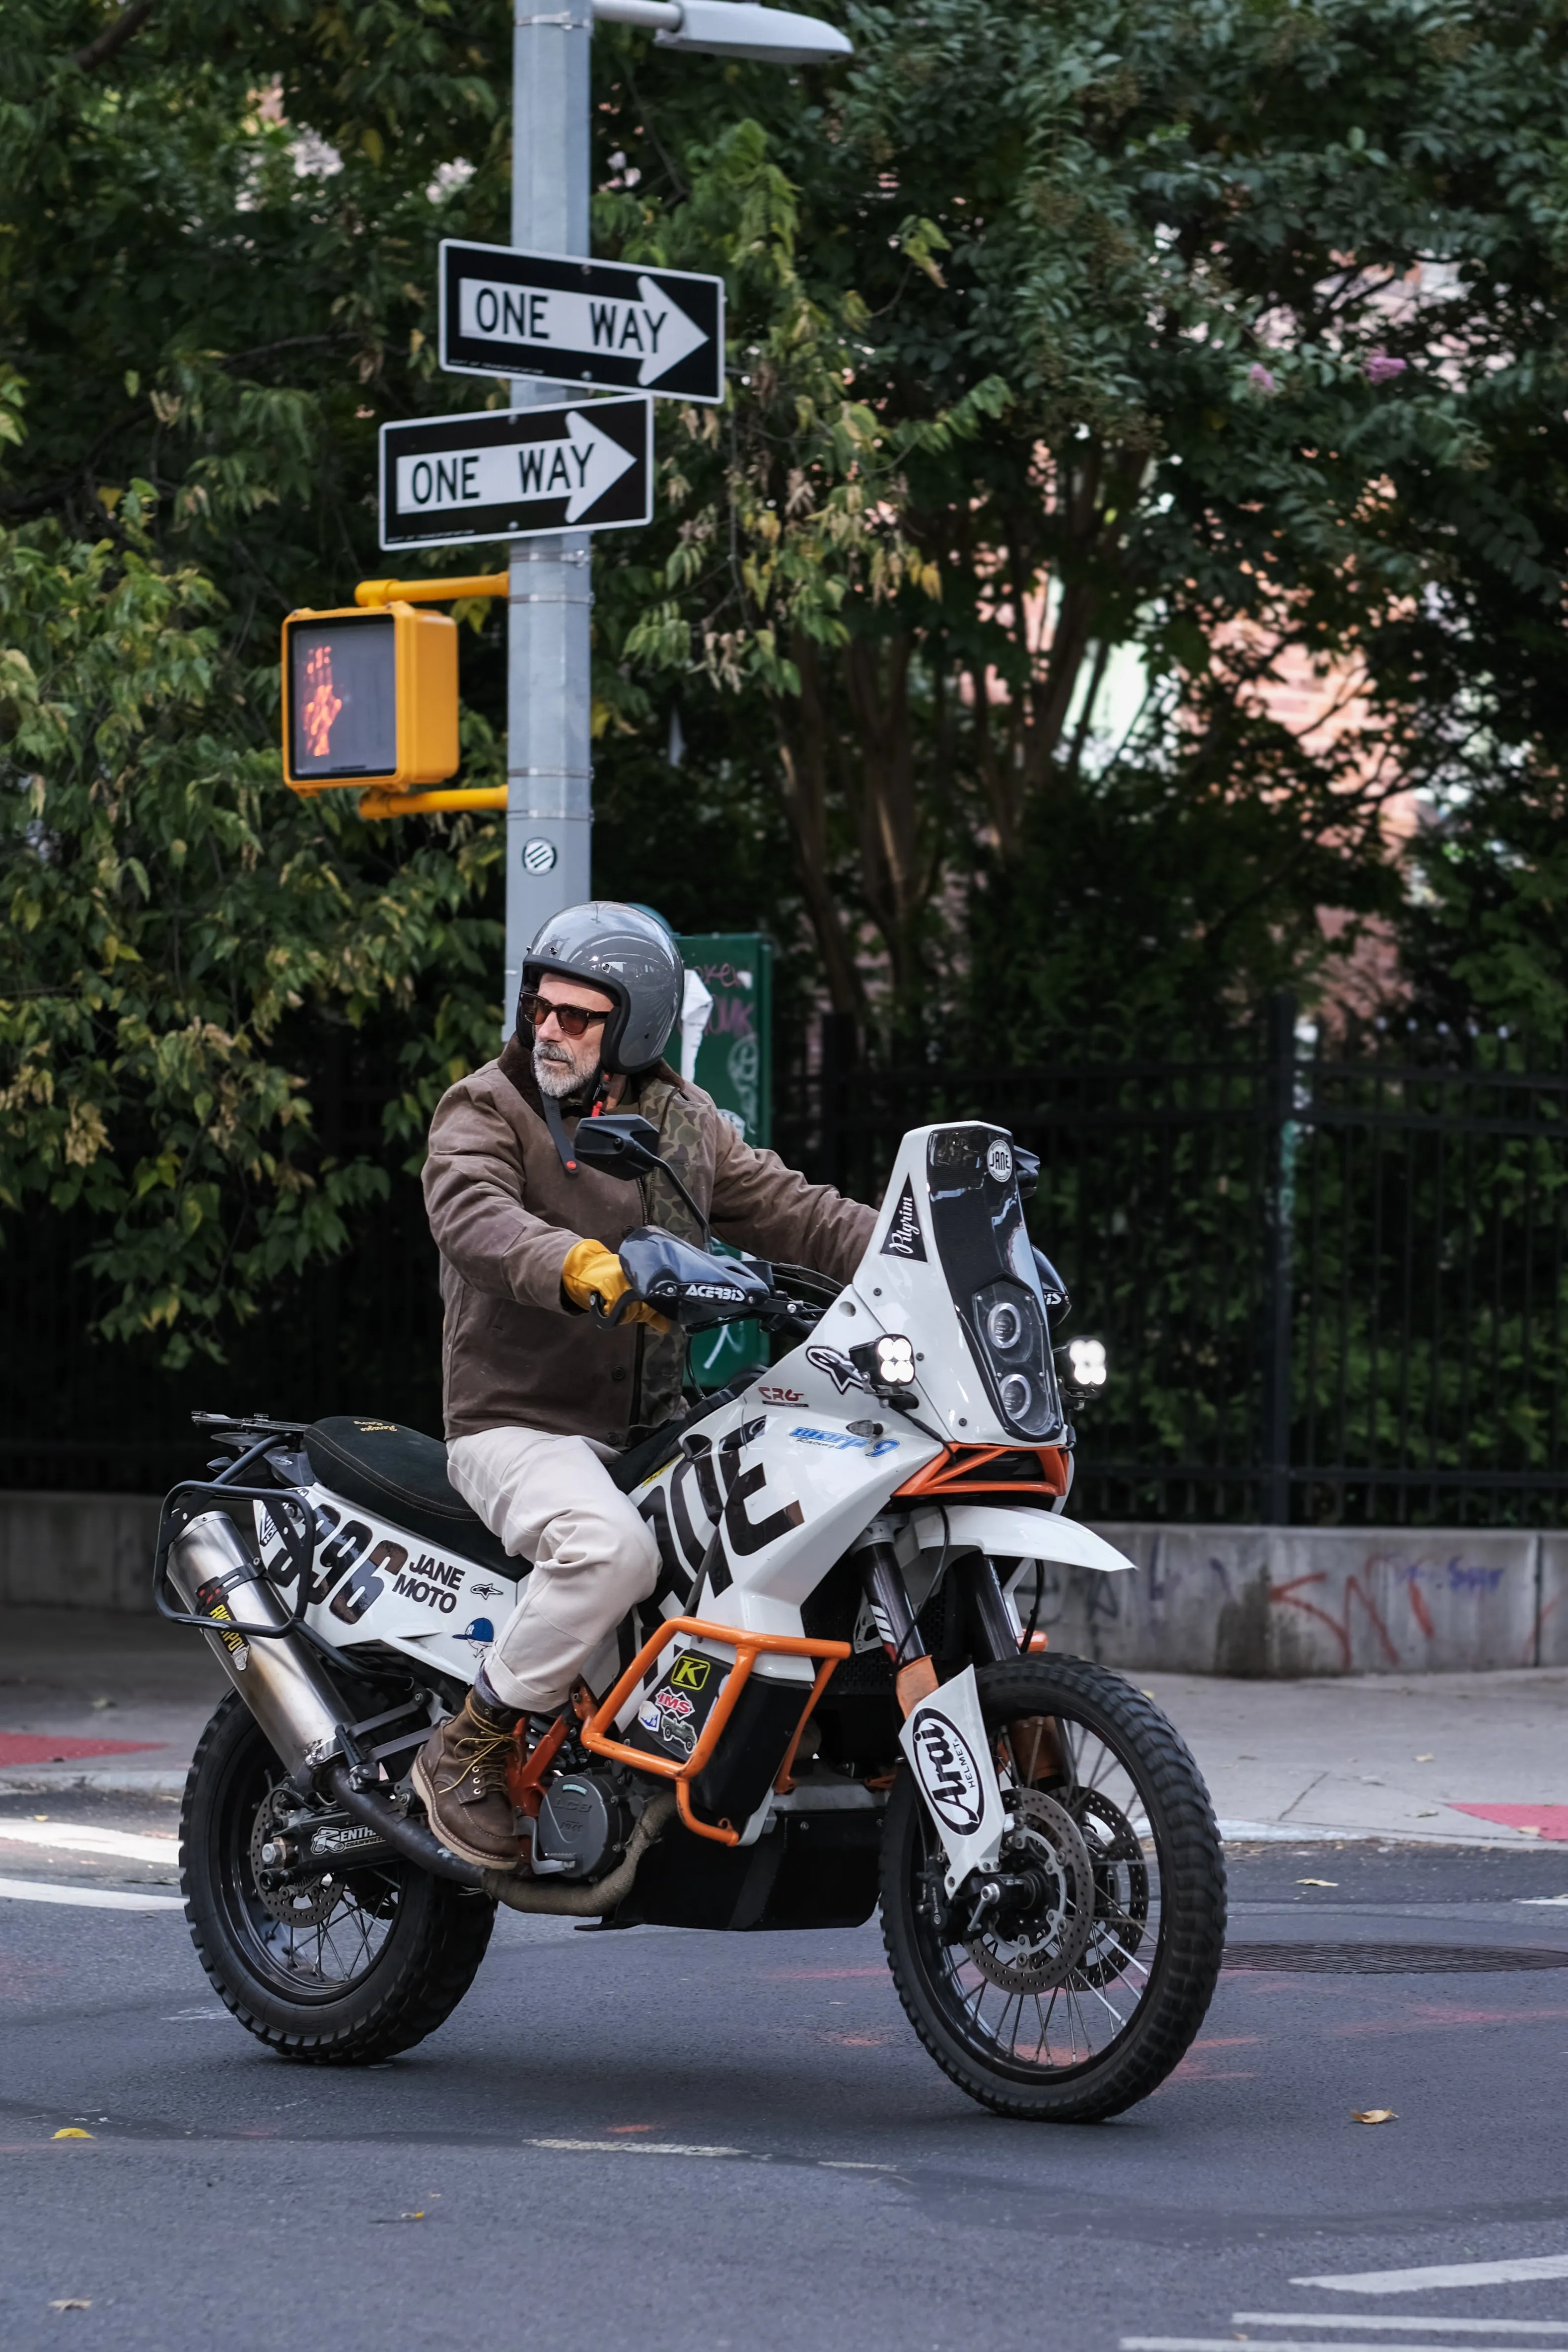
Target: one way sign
447,479
608,323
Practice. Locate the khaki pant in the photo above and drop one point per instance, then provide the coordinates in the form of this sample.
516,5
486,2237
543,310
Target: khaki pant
551,1500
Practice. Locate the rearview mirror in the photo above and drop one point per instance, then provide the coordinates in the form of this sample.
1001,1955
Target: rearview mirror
620,1143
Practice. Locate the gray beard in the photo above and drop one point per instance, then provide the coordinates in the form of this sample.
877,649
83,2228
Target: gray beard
560,1079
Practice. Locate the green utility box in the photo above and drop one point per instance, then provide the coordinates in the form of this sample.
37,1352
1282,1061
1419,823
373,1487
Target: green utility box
734,1065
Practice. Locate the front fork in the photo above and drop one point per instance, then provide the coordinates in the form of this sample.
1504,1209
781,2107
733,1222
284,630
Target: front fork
1036,1751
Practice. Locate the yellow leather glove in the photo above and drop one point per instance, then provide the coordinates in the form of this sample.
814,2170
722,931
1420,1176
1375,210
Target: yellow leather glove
591,1267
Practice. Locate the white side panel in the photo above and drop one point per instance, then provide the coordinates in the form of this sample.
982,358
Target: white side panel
1025,1534
375,1581
790,1484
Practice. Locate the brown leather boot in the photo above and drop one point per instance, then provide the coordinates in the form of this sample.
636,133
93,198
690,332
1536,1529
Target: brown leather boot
460,1775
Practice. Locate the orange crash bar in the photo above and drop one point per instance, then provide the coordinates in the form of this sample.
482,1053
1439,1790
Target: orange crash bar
599,1735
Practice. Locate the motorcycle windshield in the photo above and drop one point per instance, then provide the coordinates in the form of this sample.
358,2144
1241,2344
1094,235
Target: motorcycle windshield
977,1224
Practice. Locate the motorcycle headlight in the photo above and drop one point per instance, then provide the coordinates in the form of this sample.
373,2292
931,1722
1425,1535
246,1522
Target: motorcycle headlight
1005,1327
1015,1348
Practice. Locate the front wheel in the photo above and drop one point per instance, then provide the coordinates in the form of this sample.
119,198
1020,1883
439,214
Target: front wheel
1075,1990
342,1970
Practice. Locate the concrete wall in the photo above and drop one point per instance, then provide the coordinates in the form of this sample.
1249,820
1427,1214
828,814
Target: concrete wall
1259,1602
1286,1601
77,1551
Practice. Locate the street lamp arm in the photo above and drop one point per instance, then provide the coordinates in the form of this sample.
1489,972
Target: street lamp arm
653,15
732,28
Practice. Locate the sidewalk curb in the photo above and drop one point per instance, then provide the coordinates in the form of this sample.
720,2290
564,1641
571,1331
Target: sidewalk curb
28,1779
1314,1833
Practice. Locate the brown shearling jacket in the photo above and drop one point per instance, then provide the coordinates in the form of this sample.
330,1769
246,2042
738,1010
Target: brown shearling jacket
504,1214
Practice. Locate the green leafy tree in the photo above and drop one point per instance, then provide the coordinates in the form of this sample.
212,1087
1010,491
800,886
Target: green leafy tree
1274,293
198,294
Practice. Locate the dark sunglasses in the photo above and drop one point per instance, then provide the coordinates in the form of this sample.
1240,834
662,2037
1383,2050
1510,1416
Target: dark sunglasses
574,1020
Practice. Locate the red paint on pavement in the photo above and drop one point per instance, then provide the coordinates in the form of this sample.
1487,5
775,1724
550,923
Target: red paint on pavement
36,1747
1549,1821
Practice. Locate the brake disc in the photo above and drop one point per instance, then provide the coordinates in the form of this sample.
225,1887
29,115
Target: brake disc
296,1902
1048,1945
1121,1887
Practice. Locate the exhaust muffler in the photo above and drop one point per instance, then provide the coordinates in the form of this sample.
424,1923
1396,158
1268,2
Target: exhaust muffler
218,1577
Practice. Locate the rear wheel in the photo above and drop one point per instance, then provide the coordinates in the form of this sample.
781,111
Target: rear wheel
337,1970
1074,1993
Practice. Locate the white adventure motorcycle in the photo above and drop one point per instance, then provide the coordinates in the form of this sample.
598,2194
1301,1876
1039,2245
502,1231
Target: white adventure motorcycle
835,1696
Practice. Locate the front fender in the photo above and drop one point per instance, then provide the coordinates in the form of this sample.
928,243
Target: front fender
1024,1534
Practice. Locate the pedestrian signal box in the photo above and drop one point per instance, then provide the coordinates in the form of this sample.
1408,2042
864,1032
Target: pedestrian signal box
369,698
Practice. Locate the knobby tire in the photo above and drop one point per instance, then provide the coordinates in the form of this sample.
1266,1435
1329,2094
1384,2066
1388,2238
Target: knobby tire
417,1977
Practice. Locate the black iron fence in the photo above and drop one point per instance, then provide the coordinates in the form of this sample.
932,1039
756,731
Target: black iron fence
1330,1281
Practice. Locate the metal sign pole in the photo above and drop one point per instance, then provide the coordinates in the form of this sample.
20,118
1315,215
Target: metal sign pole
549,811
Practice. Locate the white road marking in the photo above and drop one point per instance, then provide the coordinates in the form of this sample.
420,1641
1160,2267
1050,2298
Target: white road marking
96,1898
1385,2320
1275,2343
1533,2266
193,2016
644,2148
72,1838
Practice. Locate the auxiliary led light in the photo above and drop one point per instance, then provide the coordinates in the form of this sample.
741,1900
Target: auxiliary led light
1086,1361
896,1363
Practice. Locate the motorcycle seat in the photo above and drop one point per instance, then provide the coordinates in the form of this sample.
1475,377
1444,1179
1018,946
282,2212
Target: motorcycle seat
401,1473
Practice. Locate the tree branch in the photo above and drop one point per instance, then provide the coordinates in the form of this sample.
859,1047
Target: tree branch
113,38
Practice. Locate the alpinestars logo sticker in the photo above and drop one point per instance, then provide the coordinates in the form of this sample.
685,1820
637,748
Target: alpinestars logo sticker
839,1367
904,1238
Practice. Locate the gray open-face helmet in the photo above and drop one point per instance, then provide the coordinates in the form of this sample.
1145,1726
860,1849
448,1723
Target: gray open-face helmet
630,955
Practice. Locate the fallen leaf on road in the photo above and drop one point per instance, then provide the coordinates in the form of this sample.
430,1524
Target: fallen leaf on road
1316,1881
1424,1760
72,2302
1528,1831
70,2132
1374,2116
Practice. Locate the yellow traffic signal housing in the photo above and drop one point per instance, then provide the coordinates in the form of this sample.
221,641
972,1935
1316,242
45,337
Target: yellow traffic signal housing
369,698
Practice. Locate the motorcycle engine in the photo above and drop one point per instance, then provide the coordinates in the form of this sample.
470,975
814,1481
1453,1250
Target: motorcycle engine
583,1826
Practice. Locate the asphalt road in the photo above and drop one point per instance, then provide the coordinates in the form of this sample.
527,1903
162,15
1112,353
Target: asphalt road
730,2142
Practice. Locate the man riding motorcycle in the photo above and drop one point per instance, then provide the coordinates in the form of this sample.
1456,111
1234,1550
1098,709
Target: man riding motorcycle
537,1397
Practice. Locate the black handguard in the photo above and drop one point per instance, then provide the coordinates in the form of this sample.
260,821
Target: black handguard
686,1283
